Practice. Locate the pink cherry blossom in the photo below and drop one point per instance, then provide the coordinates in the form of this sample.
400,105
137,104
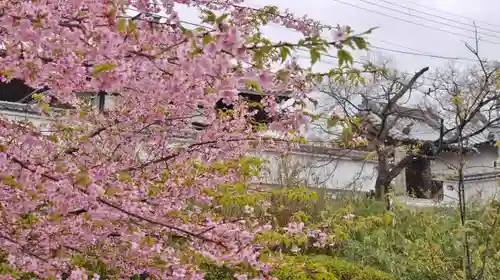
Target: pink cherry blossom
339,34
115,179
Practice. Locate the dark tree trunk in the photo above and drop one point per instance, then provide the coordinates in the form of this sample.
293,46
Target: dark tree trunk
381,186
427,178
383,181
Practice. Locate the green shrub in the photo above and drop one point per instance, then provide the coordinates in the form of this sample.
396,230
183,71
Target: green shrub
213,272
325,267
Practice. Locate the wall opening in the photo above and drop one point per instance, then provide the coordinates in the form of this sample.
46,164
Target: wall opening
419,183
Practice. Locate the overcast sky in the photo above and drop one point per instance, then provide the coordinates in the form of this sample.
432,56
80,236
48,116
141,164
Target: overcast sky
452,17
427,27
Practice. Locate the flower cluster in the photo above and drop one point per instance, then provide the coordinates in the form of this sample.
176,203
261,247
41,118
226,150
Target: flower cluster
112,185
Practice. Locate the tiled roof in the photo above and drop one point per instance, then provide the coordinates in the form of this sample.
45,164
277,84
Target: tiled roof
328,151
424,125
17,107
471,177
23,108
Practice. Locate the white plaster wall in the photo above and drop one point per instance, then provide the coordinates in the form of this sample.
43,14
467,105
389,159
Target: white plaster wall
474,190
36,120
450,191
475,162
482,190
321,171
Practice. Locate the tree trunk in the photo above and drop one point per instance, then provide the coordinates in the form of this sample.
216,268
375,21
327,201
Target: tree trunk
381,185
386,175
382,182
427,178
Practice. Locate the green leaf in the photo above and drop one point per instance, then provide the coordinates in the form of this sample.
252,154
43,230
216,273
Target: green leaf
253,85
210,17
347,135
10,181
124,177
104,67
369,31
284,52
258,57
112,190
29,218
185,30
153,190
300,140
331,122
83,179
6,73
315,55
38,96
122,25
344,57
371,155
53,138
132,26
388,219
207,39
45,107
360,43
220,19
313,117
80,53
78,260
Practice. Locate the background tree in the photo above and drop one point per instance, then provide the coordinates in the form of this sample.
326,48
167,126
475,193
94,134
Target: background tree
468,97
373,110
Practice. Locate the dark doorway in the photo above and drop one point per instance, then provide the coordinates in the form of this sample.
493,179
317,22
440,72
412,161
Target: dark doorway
419,183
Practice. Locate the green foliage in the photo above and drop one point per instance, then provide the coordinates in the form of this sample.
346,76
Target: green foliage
213,272
406,244
320,267
91,262
425,244
104,67
325,267
344,57
363,241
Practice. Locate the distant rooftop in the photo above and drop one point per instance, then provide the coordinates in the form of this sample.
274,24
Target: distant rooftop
419,124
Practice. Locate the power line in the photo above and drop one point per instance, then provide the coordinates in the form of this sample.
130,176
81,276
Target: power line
326,55
425,18
395,44
425,55
412,51
437,16
413,22
415,51
452,14
356,62
375,47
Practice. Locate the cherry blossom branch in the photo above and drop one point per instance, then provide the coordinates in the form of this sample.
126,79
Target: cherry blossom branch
24,250
122,210
171,156
158,223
